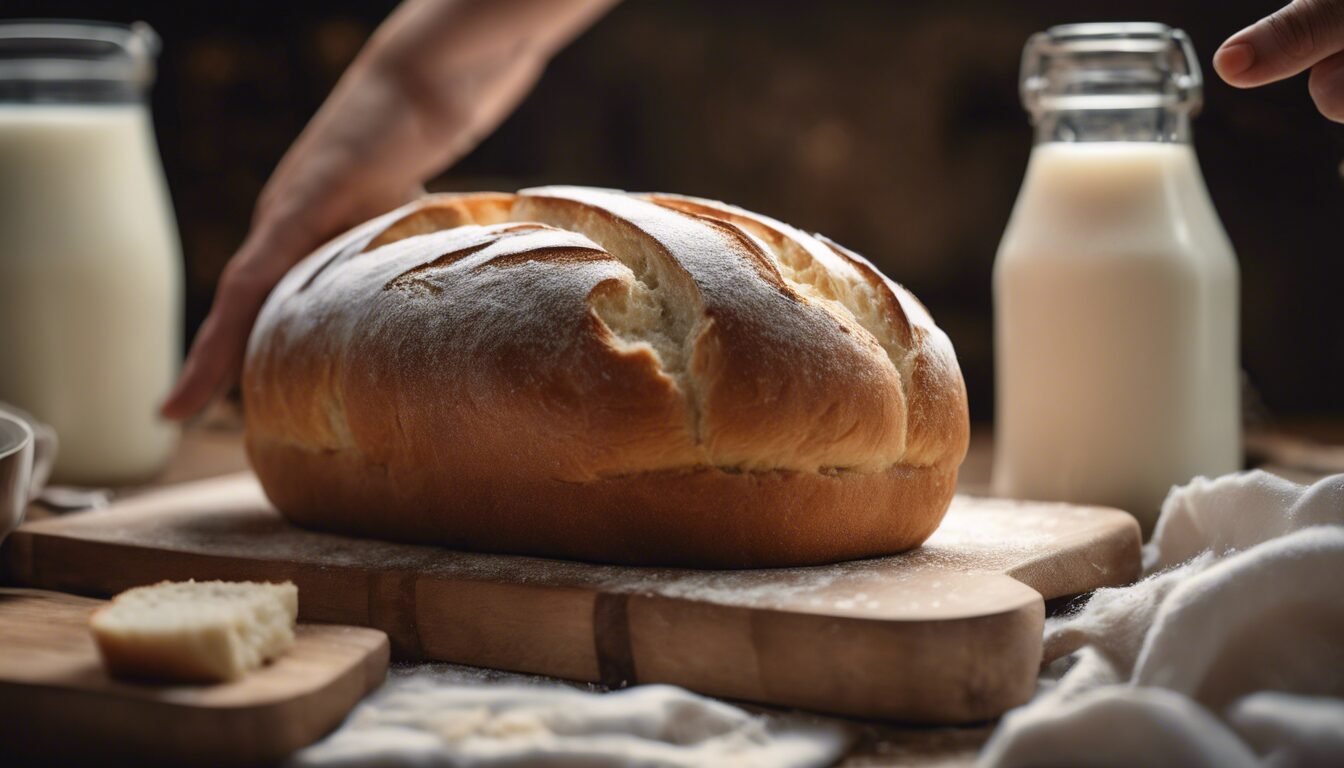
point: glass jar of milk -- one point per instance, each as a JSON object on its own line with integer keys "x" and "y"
{"x": 1115, "y": 286}
{"x": 90, "y": 265}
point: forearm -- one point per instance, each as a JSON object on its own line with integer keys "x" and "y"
{"x": 435, "y": 78}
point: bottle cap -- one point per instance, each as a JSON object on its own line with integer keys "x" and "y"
{"x": 1110, "y": 66}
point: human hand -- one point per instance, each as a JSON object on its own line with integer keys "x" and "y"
{"x": 1303, "y": 34}
{"x": 344, "y": 169}
{"x": 294, "y": 215}
{"x": 433, "y": 81}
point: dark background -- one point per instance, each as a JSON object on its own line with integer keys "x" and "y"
{"x": 893, "y": 127}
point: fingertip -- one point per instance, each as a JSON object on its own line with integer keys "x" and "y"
{"x": 178, "y": 405}
{"x": 1232, "y": 60}
{"x": 1281, "y": 45}
{"x": 1326, "y": 87}
{"x": 195, "y": 384}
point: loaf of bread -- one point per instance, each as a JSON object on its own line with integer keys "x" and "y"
{"x": 195, "y": 631}
{"x": 589, "y": 374}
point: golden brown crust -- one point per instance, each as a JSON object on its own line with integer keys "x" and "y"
{"x": 583, "y": 373}
{"x": 704, "y": 518}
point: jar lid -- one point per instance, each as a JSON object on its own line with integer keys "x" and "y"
{"x": 48, "y": 50}
{"x": 1120, "y": 65}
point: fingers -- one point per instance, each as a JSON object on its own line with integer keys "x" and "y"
{"x": 282, "y": 235}
{"x": 1282, "y": 44}
{"x": 216, "y": 355}
{"x": 207, "y": 368}
{"x": 1327, "y": 87}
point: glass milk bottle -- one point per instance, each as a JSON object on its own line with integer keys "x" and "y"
{"x": 90, "y": 265}
{"x": 1115, "y": 285}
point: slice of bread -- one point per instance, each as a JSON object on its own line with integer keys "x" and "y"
{"x": 195, "y": 631}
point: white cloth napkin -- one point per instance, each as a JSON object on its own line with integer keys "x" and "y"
{"x": 443, "y": 715}
{"x": 1229, "y": 653}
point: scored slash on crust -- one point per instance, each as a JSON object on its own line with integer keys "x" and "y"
{"x": 671, "y": 296}
{"x": 471, "y": 347}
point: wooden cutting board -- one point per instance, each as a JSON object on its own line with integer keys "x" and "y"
{"x": 58, "y": 705}
{"x": 948, "y": 633}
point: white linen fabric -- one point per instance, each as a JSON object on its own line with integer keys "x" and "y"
{"x": 442, "y": 715}
{"x": 1230, "y": 652}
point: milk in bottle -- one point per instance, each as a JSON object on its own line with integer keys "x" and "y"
{"x": 90, "y": 275}
{"x": 1115, "y": 285}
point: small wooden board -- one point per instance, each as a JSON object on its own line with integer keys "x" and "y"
{"x": 57, "y": 704}
{"x": 948, "y": 633}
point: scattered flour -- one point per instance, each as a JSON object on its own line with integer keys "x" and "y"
{"x": 445, "y": 715}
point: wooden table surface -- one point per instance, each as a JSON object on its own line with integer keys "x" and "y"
{"x": 1300, "y": 450}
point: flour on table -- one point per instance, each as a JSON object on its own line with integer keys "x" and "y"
{"x": 446, "y": 715}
